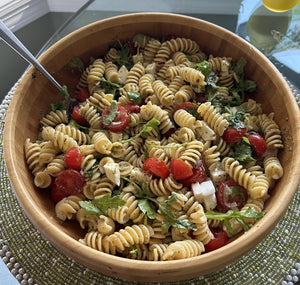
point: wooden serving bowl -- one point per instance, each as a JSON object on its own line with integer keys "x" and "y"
{"x": 34, "y": 95}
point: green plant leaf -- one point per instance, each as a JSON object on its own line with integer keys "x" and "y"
{"x": 147, "y": 208}
{"x": 134, "y": 97}
{"x": 233, "y": 214}
{"x": 76, "y": 63}
{"x": 107, "y": 202}
{"x": 90, "y": 208}
{"x": 101, "y": 205}
{"x": 243, "y": 153}
{"x": 109, "y": 118}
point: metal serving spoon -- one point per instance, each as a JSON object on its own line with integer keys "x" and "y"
{"x": 10, "y": 39}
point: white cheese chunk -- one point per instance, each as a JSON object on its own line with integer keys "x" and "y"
{"x": 112, "y": 172}
{"x": 123, "y": 72}
{"x": 217, "y": 174}
{"x": 204, "y": 193}
{"x": 206, "y": 132}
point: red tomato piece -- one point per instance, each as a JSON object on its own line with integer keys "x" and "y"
{"x": 121, "y": 120}
{"x": 188, "y": 106}
{"x": 200, "y": 98}
{"x": 220, "y": 239}
{"x": 170, "y": 37}
{"x": 231, "y": 196}
{"x": 132, "y": 108}
{"x": 246, "y": 98}
{"x": 232, "y": 135}
{"x": 258, "y": 143}
{"x": 73, "y": 158}
{"x": 180, "y": 170}
{"x": 198, "y": 176}
{"x": 78, "y": 118}
{"x": 83, "y": 94}
{"x": 132, "y": 48}
{"x": 156, "y": 167}
{"x": 68, "y": 182}
{"x": 169, "y": 133}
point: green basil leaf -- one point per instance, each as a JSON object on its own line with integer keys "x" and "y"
{"x": 134, "y": 97}
{"x": 184, "y": 224}
{"x": 60, "y": 105}
{"x": 238, "y": 216}
{"x": 107, "y": 202}
{"x": 243, "y": 153}
{"x": 90, "y": 208}
{"x": 204, "y": 67}
{"x": 147, "y": 208}
{"x": 109, "y": 118}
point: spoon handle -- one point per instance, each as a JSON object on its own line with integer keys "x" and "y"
{"x": 10, "y": 39}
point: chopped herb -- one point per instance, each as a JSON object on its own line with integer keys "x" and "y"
{"x": 125, "y": 58}
{"x": 193, "y": 111}
{"x": 60, "y": 105}
{"x": 135, "y": 251}
{"x": 243, "y": 152}
{"x": 233, "y": 214}
{"x": 152, "y": 124}
{"x": 236, "y": 119}
{"x": 141, "y": 39}
{"x": 101, "y": 205}
{"x": 147, "y": 208}
{"x": 90, "y": 208}
{"x": 205, "y": 68}
{"x": 238, "y": 67}
{"x": 110, "y": 87}
{"x": 170, "y": 218}
{"x": 109, "y": 118}
{"x": 76, "y": 63}
{"x": 164, "y": 207}
{"x": 64, "y": 92}
{"x": 250, "y": 86}
{"x": 134, "y": 97}
{"x": 237, "y": 191}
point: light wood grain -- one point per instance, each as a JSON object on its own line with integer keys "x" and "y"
{"x": 34, "y": 96}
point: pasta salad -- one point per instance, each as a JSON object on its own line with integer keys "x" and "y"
{"x": 166, "y": 155}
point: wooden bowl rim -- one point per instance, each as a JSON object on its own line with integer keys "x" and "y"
{"x": 211, "y": 261}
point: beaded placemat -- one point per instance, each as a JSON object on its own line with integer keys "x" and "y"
{"x": 33, "y": 260}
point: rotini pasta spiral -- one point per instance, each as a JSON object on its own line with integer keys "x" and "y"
{"x": 183, "y": 249}
{"x": 96, "y": 72}
{"x": 238, "y": 172}
{"x": 212, "y": 118}
{"x": 151, "y": 111}
{"x": 54, "y": 118}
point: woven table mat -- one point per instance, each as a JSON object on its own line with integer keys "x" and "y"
{"x": 33, "y": 260}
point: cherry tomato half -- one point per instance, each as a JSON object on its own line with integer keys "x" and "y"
{"x": 83, "y": 94}
{"x": 231, "y": 196}
{"x": 121, "y": 120}
{"x": 78, "y": 118}
{"x": 156, "y": 167}
{"x": 132, "y": 108}
{"x": 180, "y": 170}
{"x": 188, "y": 106}
{"x": 220, "y": 239}
{"x": 68, "y": 182}
{"x": 73, "y": 158}
{"x": 169, "y": 133}
{"x": 198, "y": 176}
{"x": 232, "y": 135}
{"x": 258, "y": 143}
